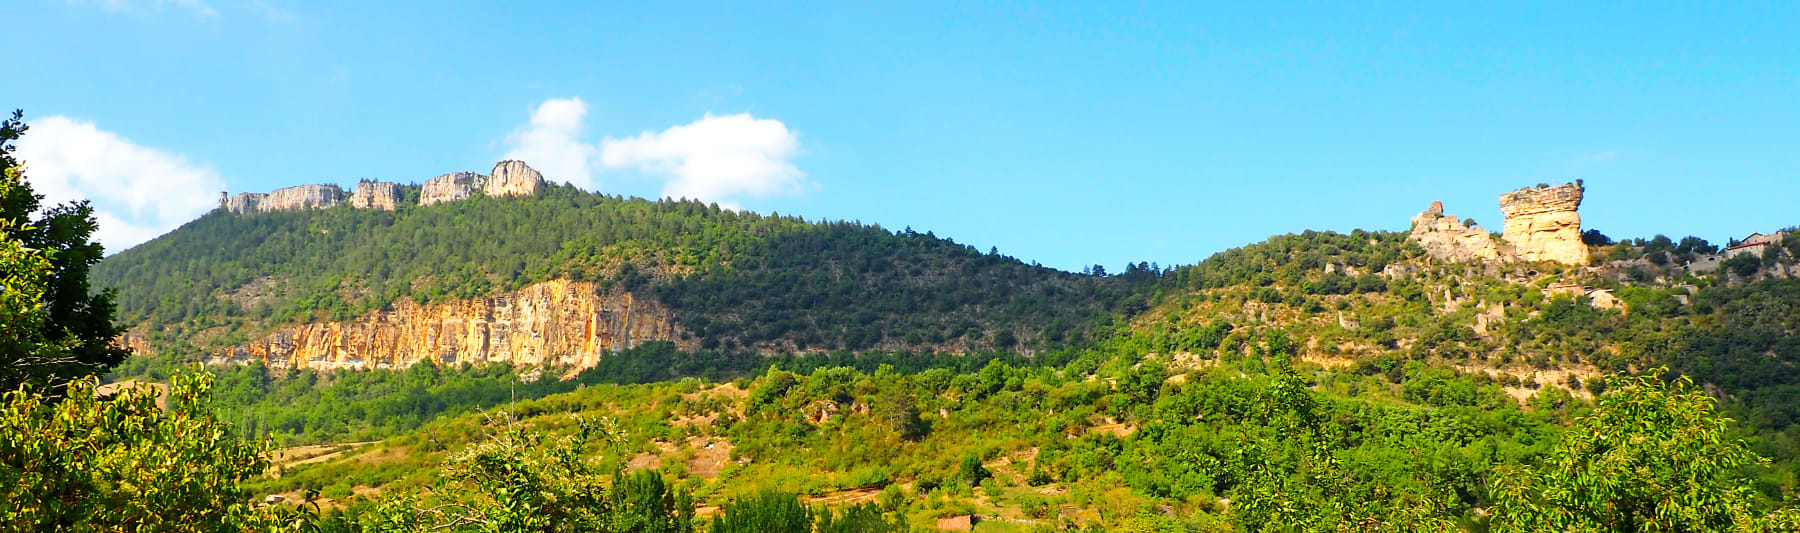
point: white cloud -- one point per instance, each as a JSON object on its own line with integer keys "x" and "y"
{"x": 716, "y": 158}
{"x": 552, "y": 142}
{"x": 137, "y": 192}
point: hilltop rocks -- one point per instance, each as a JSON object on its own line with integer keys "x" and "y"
{"x": 510, "y": 178}
{"x": 375, "y": 195}
{"x": 286, "y": 199}
{"x": 1542, "y": 223}
{"x": 247, "y": 202}
{"x": 450, "y": 187}
{"x": 1444, "y": 237}
{"x": 556, "y": 321}
{"x": 302, "y": 197}
{"x": 513, "y": 178}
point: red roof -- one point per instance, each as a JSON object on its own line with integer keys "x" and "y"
{"x": 1747, "y": 245}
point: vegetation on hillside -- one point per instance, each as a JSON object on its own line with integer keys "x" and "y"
{"x": 1316, "y": 382}
{"x": 739, "y": 281}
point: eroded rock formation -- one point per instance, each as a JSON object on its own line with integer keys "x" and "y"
{"x": 1445, "y": 237}
{"x": 513, "y": 178}
{"x": 1542, "y": 223}
{"x": 302, "y": 197}
{"x": 247, "y": 202}
{"x": 510, "y": 178}
{"x": 450, "y": 187}
{"x": 375, "y": 195}
{"x": 552, "y": 322}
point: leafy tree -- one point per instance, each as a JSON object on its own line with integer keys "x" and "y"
{"x": 899, "y": 411}
{"x": 642, "y": 503}
{"x": 865, "y": 518}
{"x": 765, "y": 512}
{"x": 80, "y": 462}
{"x": 519, "y": 480}
{"x": 1652, "y": 456}
{"x": 57, "y": 328}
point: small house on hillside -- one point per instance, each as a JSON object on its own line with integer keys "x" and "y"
{"x": 1757, "y": 243}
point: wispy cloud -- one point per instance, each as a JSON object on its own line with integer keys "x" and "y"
{"x": 137, "y": 192}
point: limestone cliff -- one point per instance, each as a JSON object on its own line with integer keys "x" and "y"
{"x": 375, "y": 195}
{"x": 1444, "y": 237}
{"x": 509, "y": 178}
{"x": 513, "y": 178}
{"x": 302, "y": 197}
{"x": 1542, "y": 223}
{"x": 450, "y": 187}
{"x": 552, "y": 322}
{"x": 245, "y": 202}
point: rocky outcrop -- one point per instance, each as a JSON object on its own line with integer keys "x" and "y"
{"x": 1542, "y": 223}
{"x": 556, "y": 321}
{"x": 376, "y": 195}
{"x": 513, "y": 178}
{"x": 286, "y": 199}
{"x": 302, "y": 197}
{"x": 1445, "y": 237}
{"x": 510, "y": 178}
{"x": 450, "y": 187}
{"x": 247, "y": 202}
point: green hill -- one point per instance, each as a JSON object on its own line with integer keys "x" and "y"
{"x": 741, "y": 282}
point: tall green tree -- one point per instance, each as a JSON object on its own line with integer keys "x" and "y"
{"x": 1653, "y": 456}
{"x": 766, "y": 512}
{"x": 70, "y": 329}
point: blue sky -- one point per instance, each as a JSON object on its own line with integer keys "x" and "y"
{"x": 1069, "y": 134}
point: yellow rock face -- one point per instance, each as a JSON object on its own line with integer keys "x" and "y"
{"x": 552, "y": 322}
{"x": 1542, "y": 223}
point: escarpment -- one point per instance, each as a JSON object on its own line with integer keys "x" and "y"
{"x": 1541, "y": 225}
{"x": 450, "y": 187}
{"x": 554, "y": 322}
{"x": 376, "y": 195}
{"x": 509, "y": 178}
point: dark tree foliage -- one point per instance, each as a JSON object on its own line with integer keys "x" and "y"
{"x": 79, "y": 322}
{"x": 1593, "y": 237}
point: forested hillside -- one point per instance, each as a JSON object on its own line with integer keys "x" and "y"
{"x": 737, "y": 281}
{"x": 1301, "y": 383}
